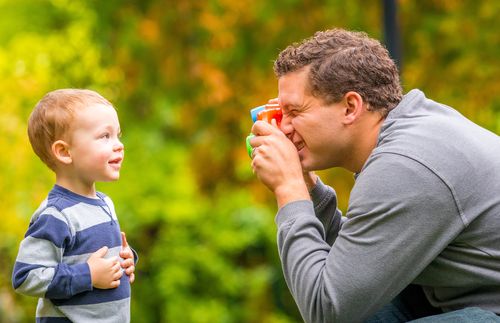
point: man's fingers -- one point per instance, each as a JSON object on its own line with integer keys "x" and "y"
{"x": 262, "y": 128}
{"x": 275, "y": 123}
{"x": 132, "y": 278}
{"x": 254, "y": 152}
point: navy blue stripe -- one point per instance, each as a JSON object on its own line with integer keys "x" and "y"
{"x": 52, "y": 320}
{"x": 69, "y": 280}
{"x": 63, "y": 198}
{"x": 97, "y": 295}
{"x": 50, "y": 228}
{"x": 91, "y": 239}
{"x": 21, "y": 272}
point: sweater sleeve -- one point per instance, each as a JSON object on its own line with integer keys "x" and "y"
{"x": 325, "y": 207}
{"x": 400, "y": 217}
{"x": 39, "y": 269}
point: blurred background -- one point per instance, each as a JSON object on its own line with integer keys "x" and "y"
{"x": 183, "y": 76}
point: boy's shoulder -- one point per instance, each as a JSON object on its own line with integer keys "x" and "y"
{"x": 61, "y": 201}
{"x": 54, "y": 204}
{"x": 62, "y": 198}
{"x": 76, "y": 211}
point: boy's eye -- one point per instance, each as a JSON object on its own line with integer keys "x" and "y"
{"x": 105, "y": 136}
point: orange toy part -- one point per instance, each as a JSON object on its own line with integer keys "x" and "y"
{"x": 272, "y": 111}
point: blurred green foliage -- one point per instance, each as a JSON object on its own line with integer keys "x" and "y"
{"x": 183, "y": 75}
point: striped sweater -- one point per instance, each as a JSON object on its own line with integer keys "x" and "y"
{"x": 52, "y": 260}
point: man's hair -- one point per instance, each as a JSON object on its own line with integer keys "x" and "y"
{"x": 52, "y": 118}
{"x": 341, "y": 61}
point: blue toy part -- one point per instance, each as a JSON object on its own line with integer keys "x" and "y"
{"x": 255, "y": 111}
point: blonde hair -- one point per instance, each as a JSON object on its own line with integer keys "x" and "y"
{"x": 52, "y": 117}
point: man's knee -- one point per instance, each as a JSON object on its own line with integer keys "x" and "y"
{"x": 466, "y": 315}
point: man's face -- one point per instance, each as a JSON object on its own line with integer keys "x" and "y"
{"x": 314, "y": 128}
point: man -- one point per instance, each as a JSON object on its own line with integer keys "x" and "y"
{"x": 424, "y": 211}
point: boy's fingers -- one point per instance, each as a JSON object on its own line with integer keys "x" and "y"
{"x": 131, "y": 277}
{"x": 126, "y": 253}
{"x": 118, "y": 275}
{"x": 115, "y": 269}
{"x": 115, "y": 283}
{"x": 124, "y": 240}
{"x": 127, "y": 263}
{"x": 130, "y": 270}
{"x": 101, "y": 252}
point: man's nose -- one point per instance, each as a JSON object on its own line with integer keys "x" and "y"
{"x": 286, "y": 126}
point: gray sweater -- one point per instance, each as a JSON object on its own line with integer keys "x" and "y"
{"x": 425, "y": 209}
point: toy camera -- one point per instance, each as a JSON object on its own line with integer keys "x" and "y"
{"x": 266, "y": 113}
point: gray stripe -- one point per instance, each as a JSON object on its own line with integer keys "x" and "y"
{"x": 83, "y": 216}
{"x": 110, "y": 312}
{"x": 45, "y": 308}
{"x": 39, "y": 252}
{"x": 111, "y": 205}
{"x": 78, "y": 259}
{"x": 37, "y": 282}
{"x": 55, "y": 213}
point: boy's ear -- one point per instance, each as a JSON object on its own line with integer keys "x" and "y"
{"x": 60, "y": 149}
{"x": 353, "y": 103}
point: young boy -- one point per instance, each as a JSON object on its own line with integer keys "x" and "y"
{"x": 70, "y": 255}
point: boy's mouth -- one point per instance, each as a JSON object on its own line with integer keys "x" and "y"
{"x": 116, "y": 161}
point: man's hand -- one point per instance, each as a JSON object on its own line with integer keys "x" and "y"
{"x": 128, "y": 256}
{"x": 105, "y": 273}
{"x": 311, "y": 179}
{"x": 276, "y": 163}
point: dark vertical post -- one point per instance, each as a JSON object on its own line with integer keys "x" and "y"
{"x": 391, "y": 31}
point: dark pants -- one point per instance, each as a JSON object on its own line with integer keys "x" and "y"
{"x": 412, "y": 305}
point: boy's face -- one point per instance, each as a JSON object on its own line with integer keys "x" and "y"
{"x": 95, "y": 147}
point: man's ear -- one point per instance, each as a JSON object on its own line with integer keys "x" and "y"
{"x": 60, "y": 149}
{"x": 353, "y": 103}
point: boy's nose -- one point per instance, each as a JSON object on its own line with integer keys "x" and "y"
{"x": 118, "y": 146}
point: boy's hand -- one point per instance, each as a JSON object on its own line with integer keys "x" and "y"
{"x": 128, "y": 256}
{"x": 105, "y": 273}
